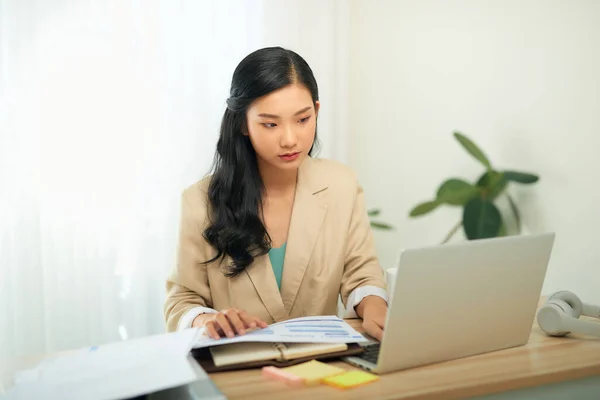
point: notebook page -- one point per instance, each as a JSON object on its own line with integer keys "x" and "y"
{"x": 237, "y": 353}
{"x": 291, "y": 351}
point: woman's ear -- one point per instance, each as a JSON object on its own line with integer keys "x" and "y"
{"x": 317, "y": 107}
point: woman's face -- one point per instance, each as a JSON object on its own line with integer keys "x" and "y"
{"x": 282, "y": 126}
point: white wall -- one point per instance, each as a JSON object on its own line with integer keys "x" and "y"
{"x": 325, "y": 48}
{"x": 521, "y": 78}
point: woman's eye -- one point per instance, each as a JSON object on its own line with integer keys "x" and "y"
{"x": 269, "y": 125}
{"x": 304, "y": 120}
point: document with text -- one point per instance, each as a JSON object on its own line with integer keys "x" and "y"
{"x": 321, "y": 329}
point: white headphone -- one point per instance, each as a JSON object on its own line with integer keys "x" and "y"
{"x": 559, "y": 316}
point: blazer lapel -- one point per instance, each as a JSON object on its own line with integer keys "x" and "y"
{"x": 308, "y": 213}
{"x": 262, "y": 277}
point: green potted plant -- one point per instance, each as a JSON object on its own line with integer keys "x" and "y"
{"x": 481, "y": 217}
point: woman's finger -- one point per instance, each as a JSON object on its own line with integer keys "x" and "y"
{"x": 223, "y": 323}
{"x": 248, "y": 321}
{"x": 235, "y": 321}
{"x": 373, "y": 329}
{"x": 212, "y": 331}
{"x": 251, "y": 321}
{"x": 260, "y": 323}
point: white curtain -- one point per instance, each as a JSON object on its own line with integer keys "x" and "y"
{"x": 108, "y": 109}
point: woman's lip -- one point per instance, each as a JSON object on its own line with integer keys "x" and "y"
{"x": 289, "y": 156}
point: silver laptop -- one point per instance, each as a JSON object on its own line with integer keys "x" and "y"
{"x": 457, "y": 300}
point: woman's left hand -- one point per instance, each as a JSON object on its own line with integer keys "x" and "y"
{"x": 373, "y": 309}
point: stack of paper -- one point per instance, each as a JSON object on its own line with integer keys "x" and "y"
{"x": 117, "y": 370}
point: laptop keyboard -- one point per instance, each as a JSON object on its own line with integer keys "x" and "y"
{"x": 371, "y": 353}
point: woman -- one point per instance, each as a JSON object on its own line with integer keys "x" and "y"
{"x": 273, "y": 233}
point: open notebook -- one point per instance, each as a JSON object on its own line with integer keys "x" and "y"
{"x": 281, "y": 344}
{"x": 245, "y": 355}
{"x": 239, "y": 353}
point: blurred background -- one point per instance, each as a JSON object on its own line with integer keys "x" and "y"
{"x": 108, "y": 109}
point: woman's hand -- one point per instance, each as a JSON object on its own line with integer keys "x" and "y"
{"x": 373, "y": 309}
{"x": 227, "y": 323}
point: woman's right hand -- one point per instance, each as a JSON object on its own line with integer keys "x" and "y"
{"x": 228, "y": 323}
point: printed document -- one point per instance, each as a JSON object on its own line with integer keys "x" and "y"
{"x": 113, "y": 371}
{"x": 321, "y": 329}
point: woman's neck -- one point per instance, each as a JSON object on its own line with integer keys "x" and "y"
{"x": 277, "y": 182}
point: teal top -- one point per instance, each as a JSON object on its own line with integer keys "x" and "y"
{"x": 276, "y": 256}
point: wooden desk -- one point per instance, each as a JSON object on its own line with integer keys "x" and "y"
{"x": 542, "y": 361}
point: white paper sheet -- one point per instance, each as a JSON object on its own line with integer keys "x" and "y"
{"x": 116, "y": 370}
{"x": 321, "y": 329}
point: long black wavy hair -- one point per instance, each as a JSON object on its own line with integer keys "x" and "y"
{"x": 236, "y": 188}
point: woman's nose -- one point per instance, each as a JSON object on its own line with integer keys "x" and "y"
{"x": 289, "y": 137}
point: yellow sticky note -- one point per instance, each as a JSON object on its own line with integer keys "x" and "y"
{"x": 313, "y": 372}
{"x": 350, "y": 379}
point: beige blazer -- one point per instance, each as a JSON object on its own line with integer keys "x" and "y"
{"x": 330, "y": 251}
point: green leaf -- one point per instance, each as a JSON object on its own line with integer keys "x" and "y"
{"x": 424, "y": 208}
{"x": 456, "y": 192}
{"x": 493, "y": 182}
{"x": 374, "y": 212}
{"x": 521, "y": 177}
{"x": 381, "y": 225}
{"x": 515, "y": 211}
{"x": 481, "y": 219}
{"x": 472, "y": 149}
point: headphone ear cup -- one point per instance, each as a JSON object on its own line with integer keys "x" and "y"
{"x": 552, "y": 315}
{"x": 571, "y": 299}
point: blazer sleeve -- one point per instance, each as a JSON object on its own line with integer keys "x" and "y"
{"x": 188, "y": 286}
{"x": 361, "y": 266}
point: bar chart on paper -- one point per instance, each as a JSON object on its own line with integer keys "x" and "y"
{"x": 320, "y": 329}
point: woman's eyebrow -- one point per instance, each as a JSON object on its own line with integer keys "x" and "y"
{"x": 265, "y": 115}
